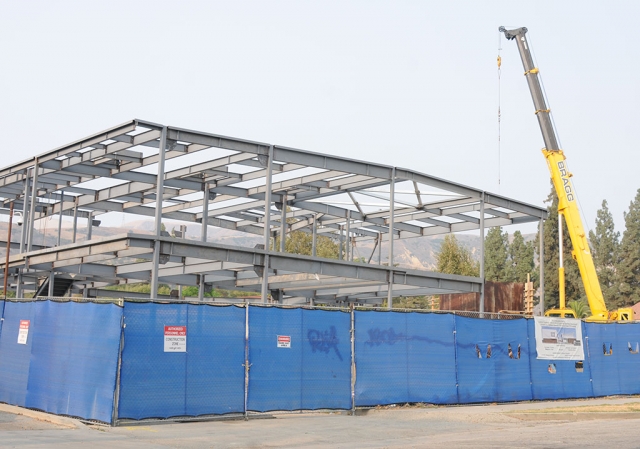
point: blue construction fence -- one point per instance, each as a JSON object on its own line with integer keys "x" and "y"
{"x": 141, "y": 360}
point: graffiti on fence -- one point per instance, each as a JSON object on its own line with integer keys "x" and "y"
{"x": 379, "y": 336}
{"x": 324, "y": 341}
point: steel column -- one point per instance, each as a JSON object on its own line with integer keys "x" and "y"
{"x": 60, "y": 217}
{"x": 25, "y": 206}
{"x": 34, "y": 198}
{"x": 205, "y": 212}
{"x": 158, "y": 217}
{"x": 89, "y": 225}
{"x": 482, "y": 253}
{"x": 203, "y": 234}
{"x": 6, "y": 259}
{"x": 75, "y": 222}
{"x": 341, "y": 247}
{"x": 392, "y": 194}
{"x": 314, "y": 233}
{"x": 283, "y": 222}
{"x": 52, "y": 281}
{"x": 19, "y": 288}
{"x": 347, "y": 248}
{"x": 160, "y": 181}
{"x": 267, "y": 226}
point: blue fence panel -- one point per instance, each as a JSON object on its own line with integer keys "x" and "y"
{"x": 308, "y": 368}
{"x": 614, "y": 350}
{"x": 628, "y": 350}
{"x": 604, "y": 364}
{"x": 558, "y": 379}
{"x": 513, "y": 373}
{"x": 488, "y": 365}
{"x": 15, "y": 358}
{"x": 404, "y": 357}
{"x": 381, "y": 358}
{"x": 215, "y": 358}
{"x": 74, "y": 359}
{"x": 206, "y": 379}
{"x": 152, "y": 382}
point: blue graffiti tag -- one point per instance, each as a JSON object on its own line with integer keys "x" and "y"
{"x": 324, "y": 341}
{"x": 379, "y": 336}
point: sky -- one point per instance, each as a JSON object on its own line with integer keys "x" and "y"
{"x": 407, "y": 83}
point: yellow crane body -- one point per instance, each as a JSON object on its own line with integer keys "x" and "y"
{"x": 567, "y": 200}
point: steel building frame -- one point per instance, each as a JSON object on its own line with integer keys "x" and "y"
{"x": 257, "y": 188}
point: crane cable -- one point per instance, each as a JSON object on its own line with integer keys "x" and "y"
{"x": 499, "y": 61}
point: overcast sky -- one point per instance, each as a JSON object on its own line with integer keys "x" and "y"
{"x": 407, "y": 83}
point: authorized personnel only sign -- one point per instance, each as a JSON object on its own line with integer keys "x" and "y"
{"x": 23, "y": 332}
{"x": 175, "y": 339}
{"x": 284, "y": 341}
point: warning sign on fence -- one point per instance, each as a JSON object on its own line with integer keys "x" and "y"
{"x": 23, "y": 332}
{"x": 284, "y": 341}
{"x": 175, "y": 339}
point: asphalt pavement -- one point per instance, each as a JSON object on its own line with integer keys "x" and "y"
{"x": 532, "y": 424}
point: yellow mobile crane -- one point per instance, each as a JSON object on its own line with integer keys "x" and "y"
{"x": 567, "y": 202}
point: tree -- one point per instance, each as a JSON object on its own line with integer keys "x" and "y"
{"x": 411, "y": 302}
{"x": 495, "y": 255}
{"x": 581, "y": 308}
{"x": 300, "y": 242}
{"x": 521, "y": 260}
{"x": 455, "y": 259}
{"x": 605, "y": 246}
{"x": 628, "y": 269}
{"x": 573, "y": 283}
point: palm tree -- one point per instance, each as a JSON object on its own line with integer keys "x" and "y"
{"x": 581, "y": 308}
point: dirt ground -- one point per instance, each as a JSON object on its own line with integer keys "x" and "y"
{"x": 592, "y": 423}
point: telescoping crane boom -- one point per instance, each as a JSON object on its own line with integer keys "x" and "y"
{"x": 567, "y": 201}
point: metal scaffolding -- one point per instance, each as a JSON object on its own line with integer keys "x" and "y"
{"x": 149, "y": 170}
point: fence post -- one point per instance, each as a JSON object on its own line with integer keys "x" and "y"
{"x": 246, "y": 360}
{"x": 455, "y": 348}
{"x": 353, "y": 361}
{"x": 116, "y": 392}
{"x": 588, "y": 357}
{"x": 529, "y": 356}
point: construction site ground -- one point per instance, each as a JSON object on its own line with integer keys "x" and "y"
{"x": 590, "y": 423}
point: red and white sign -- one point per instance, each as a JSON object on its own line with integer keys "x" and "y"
{"x": 175, "y": 339}
{"x": 23, "y": 332}
{"x": 284, "y": 341}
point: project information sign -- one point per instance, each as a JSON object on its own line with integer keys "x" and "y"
{"x": 175, "y": 339}
{"x": 23, "y": 332}
{"x": 559, "y": 338}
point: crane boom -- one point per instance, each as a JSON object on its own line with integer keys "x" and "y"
{"x": 561, "y": 178}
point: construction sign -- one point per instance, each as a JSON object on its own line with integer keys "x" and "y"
{"x": 23, "y": 332}
{"x": 559, "y": 338}
{"x": 175, "y": 339}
